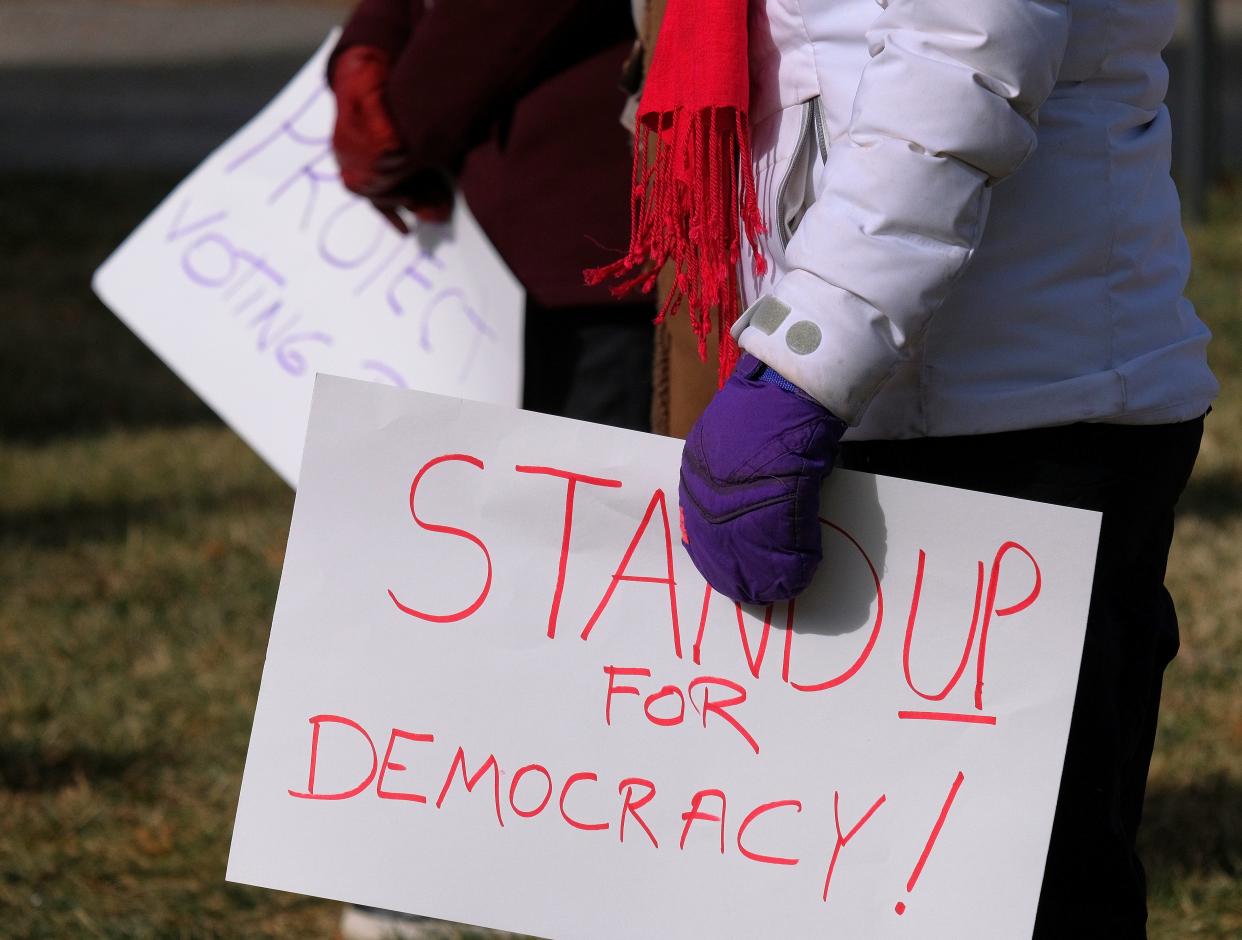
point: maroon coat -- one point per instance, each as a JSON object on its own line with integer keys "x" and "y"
{"x": 520, "y": 101}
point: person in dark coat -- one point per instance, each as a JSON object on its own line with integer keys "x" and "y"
{"x": 516, "y": 105}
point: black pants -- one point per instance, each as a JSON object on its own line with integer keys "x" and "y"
{"x": 592, "y": 363}
{"x": 1094, "y": 885}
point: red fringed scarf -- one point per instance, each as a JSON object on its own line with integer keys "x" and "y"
{"x": 693, "y": 193}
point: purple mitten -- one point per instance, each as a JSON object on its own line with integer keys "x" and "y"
{"x": 750, "y": 478}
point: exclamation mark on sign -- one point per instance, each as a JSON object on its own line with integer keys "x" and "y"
{"x": 931, "y": 840}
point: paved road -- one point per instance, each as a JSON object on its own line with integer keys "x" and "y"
{"x": 149, "y": 32}
{"x": 89, "y": 85}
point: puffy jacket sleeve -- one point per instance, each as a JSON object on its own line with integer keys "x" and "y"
{"x": 946, "y": 106}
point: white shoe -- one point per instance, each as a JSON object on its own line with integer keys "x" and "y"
{"x": 372, "y": 923}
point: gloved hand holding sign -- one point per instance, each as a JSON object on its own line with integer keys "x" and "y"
{"x": 751, "y": 473}
{"x": 368, "y": 149}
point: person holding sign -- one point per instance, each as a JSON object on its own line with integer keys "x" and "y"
{"x": 516, "y": 105}
{"x": 960, "y": 249}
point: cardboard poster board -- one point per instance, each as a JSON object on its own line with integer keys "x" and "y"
{"x": 498, "y": 692}
{"x": 260, "y": 270}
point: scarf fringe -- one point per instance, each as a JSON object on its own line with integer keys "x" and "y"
{"x": 692, "y": 201}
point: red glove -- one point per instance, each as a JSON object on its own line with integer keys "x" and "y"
{"x": 372, "y": 160}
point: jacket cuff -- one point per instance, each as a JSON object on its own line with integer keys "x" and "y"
{"x": 829, "y": 342}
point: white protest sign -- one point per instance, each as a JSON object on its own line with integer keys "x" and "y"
{"x": 498, "y": 692}
{"x": 260, "y": 270}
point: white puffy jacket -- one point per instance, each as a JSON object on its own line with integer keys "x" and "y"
{"x": 971, "y": 222}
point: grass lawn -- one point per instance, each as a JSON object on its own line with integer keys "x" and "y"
{"x": 140, "y": 548}
{"x": 1192, "y": 840}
